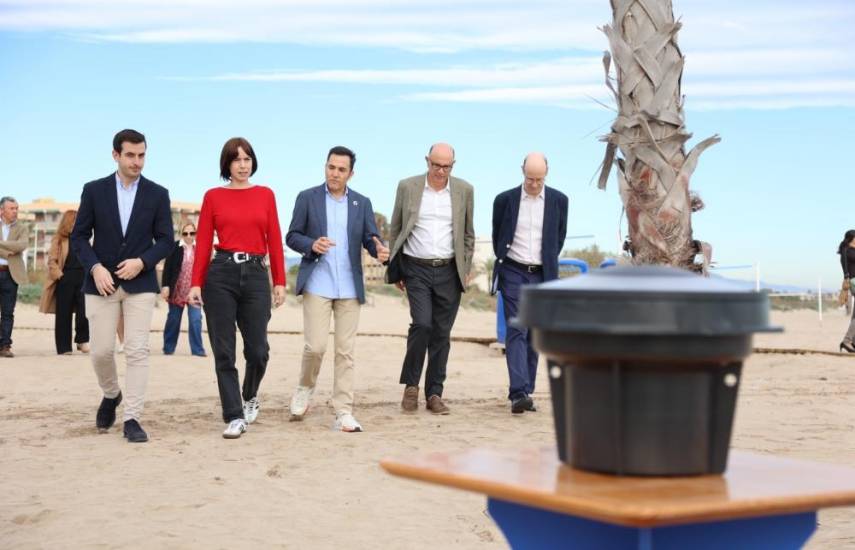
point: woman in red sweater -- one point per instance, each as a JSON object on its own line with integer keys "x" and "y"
{"x": 234, "y": 286}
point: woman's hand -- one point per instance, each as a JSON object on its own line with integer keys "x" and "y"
{"x": 194, "y": 297}
{"x": 278, "y": 295}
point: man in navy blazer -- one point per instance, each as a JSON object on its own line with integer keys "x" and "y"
{"x": 529, "y": 227}
{"x": 330, "y": 226}
{"x": 128, "y": 219}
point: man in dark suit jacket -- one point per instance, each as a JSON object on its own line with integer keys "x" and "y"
{"x": 128, "y": 219}
{"x": 529, "y": 227}
{"x": 330, "y": 226}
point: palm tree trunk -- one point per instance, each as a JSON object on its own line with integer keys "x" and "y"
{"x": 653, "y": 168}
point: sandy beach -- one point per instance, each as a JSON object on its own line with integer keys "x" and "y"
{"x": 302, "y": 485}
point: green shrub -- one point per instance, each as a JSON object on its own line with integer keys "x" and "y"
{"x": 30, "y": 293}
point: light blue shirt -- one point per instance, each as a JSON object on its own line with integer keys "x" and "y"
{"x": 333, "y": 276}
{"x": 126, "y": 200}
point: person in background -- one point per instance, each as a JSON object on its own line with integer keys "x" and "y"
{"x": 234, "y": 287}
{"x": 529, "y": 227}
{"x": 846, "y": 249}
{"x": 175, "y": 285}
{"x": 63, "y": 291}
{"x": 14, "y": 239}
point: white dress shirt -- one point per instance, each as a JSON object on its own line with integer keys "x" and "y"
{"x": 6, "y": 228}
{"x": 431, "y": 237}
{"x": 528, "y": 236}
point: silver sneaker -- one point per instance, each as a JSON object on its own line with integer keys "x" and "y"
{"x": 250, "y": 410}
{"x": 235, "y": 429}
{"x": 346, "y": 423}
{"x": 300, "y": 402}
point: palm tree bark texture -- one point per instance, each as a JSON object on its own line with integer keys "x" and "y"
{"x": 653, "y": 169}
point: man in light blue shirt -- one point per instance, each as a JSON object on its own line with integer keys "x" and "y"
{"x": 330, "y": 226}
{"x": 125, "y": 195}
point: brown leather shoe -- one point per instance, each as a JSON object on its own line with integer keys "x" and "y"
{"x": 6, "y": 351}
{"x": 436, "y": 406}
{"x": 410, "y": 402}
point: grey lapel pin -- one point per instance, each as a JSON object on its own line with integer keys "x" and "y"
{"x": 355, "y": 203}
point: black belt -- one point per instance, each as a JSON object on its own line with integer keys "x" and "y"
{"x": 433, "y": 262}
{"x": 240, "y": 257}
{"x": 525, "y": 267}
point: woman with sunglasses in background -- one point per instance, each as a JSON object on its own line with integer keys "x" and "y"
{"x": 177, "y": 272}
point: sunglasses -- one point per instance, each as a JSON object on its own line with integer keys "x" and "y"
{"x": 189, "y": 233}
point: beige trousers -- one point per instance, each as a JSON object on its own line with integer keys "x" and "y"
{"x": 316, "y": 331}
{"x": 103, "y": 314}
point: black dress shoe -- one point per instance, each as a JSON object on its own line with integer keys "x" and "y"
{"x": 521, "y": 404}
{"x": 531, "y": 407}
{"x": 106, "y": 416}
{"x": 846, "y": 347}
{"x": 134, "y": 432}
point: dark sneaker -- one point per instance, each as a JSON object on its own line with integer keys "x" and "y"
{"x": 106, "y": 416}
{"x": 134, "y": 432}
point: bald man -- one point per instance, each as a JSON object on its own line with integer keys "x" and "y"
{"x": 433, "y": 240}
{"x": 529, "y": 227}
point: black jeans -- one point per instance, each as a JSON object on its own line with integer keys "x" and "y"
{"x": 237, "y": 293}
{"x": 8, "y": 299}
{"x": 69, "y": 301}
{"x": 434, "y": 296}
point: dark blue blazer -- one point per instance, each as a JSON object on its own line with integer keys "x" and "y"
{"x": 309, "y": 222}
{"x": 149, "y": 236}
{"x": 506, "y": 209}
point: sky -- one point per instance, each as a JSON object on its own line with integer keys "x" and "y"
{"x": 496, "y": 79}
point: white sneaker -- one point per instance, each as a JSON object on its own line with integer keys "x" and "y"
{"x": 300, "y": 402}
{"x": 346, "y": 423}
{"x": 250, "y": 410}
{"x": 235, "y": 428}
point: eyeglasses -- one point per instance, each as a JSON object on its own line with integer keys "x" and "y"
{"x": 444, "y": 167}
{"x": 189, "y": 233}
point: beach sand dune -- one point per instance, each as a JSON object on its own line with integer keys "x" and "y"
{"x": 300, "y": 484}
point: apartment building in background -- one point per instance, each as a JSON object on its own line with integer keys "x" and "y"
{"x": 43, "y": 215}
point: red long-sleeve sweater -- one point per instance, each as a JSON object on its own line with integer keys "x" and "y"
{"x": 245, "y": 220}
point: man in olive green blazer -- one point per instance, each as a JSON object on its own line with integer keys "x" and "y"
{"x": 432, "y": 240}
{"x": 14, "y": 239}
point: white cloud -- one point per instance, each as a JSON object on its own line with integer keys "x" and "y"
{"x": 761, "y": 54}
{"x": 436, "y": 25}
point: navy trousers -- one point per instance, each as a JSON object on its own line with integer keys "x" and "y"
{"x": 519, "y": 353}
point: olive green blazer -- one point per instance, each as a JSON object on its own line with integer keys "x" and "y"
{"x": 12, "y": 250}
{"x": 405, "y": 213}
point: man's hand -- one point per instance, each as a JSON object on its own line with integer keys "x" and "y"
{"x": 401, "y": 286}
{"x": 469, "y": 277}
{"x": 164, "y": 293}
{"x": 322, "y": 245}
{"x": 103, "y": 280}
{"x": 194, "y": 297}
{"x": 382, "y": 250}
{"x": 130, "y": 268}
{"x": 278, "y": 295}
